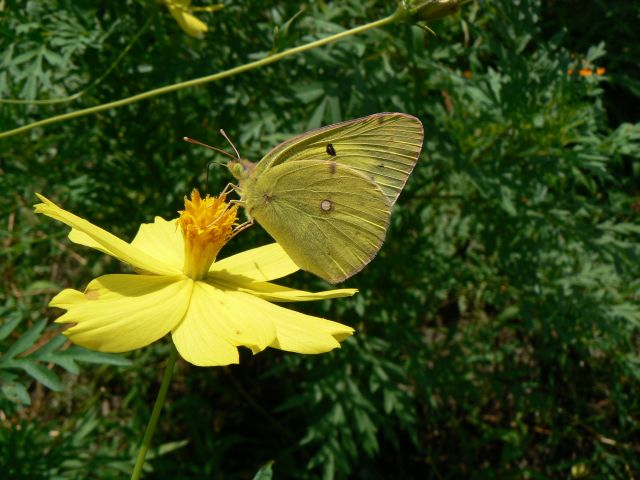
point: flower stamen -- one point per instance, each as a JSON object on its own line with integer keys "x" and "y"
{"x": 207, "y": 225}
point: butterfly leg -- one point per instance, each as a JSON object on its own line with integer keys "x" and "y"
{"x": 227, "y": 190}
{"x": 243, "y": 205}
{"x": 231, "y": 187}
{"x": 242, "y": 227}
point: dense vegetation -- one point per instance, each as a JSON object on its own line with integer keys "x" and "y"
{"x": 497, "y": 330}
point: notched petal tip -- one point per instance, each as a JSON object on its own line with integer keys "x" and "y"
{"x": 45, "y": 202}
{"x": 65, "y": 298}
{"x": 300, "y": 333}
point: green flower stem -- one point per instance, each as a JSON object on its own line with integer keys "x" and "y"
{"x": 155, "y": 414}
{"x": 399, "y": 14}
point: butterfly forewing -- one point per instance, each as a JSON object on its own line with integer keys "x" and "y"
{"x": 329, "y": 218}
{"x": 383, "y": 147}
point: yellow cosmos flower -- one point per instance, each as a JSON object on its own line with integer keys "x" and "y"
{"x": 210, "y": 307}
{"x": 181, "y": 11}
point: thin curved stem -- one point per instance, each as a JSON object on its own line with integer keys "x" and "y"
{"x": 155, "y": 413}
{"x": 399, "y": 14}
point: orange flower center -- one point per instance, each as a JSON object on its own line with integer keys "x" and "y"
{"x": 206, "y": 224}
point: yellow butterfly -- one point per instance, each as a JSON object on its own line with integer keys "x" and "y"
{"x": 325, "y": 196}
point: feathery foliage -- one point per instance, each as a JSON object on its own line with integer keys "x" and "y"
{"x": 497, "y": 330}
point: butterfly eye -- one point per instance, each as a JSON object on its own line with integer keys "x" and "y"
{"x": 330, "y": 150}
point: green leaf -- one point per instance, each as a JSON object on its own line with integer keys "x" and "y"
{"x": 24, "y": 57}
{"x": 265, "y": 472}
{"x": 171, "y": 446}
{"x": 80, "y": 354}
{"x": 68, "y": 363}
{"x": 26, "y": 340}
{"x": 51, "y": 346}
{"x": 8, "y": 327}
{"x": 41, "y": 374}
{"x": 166, "y": 448}
{"x": 40, "y": 285}
{"x": 16, "y": 392}
{"x": 53, "y": 58}
{"x": 318, "y": 114}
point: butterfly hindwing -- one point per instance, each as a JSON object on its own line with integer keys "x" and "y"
{"x": 329, "y": 218}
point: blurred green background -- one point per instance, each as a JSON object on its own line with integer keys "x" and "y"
{"x": 497, "y": 330}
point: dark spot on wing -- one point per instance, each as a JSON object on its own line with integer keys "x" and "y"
{"x": 330, "y": 150}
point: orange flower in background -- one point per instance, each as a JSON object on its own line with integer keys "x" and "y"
{"x": 587, "y": 72}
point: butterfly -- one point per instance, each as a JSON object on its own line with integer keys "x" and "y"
{"x": 326, "y": 195}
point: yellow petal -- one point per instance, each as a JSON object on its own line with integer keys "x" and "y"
{"x": 81, "y": 238}
{"x": 118, "y": 313}
{"x": 209, "y": 332}
{"x": 262, "y": 264}
{"x": 277, "y": 293}
{"x": 163, "y": 240}
{"x": 297, "y": 332}
{"x": 190, "y": 24}
{"x": 219, "y": 321}
{"x": 306, "y": 334}
{"x": 109, "y": 243}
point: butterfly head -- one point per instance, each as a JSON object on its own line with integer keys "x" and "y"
{"x": 241, "y": 169}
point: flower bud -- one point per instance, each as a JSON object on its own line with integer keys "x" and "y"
{"x": 432, "y": 9}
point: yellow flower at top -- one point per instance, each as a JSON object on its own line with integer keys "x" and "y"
{"x": 210, "y": 307}
{"x": 181, "y": 11}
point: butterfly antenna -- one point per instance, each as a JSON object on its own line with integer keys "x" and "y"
{"x": 209, "y": 163}
{"x": 230, "y": 143}
{"x": 208, "y": 167}
{"x": 215, "y": 149}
